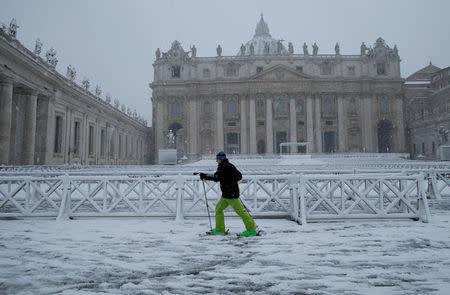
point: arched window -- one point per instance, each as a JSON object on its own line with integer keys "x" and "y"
{"x": 299, "y": 107}
{"x": 175, "y": 108}
{"x": 260, "y": 108}
{"x": 383, "y": 106}
{"x": 327, "y": 106}
{"x": 280, "y": 106}
{"x": 207, "y": 107}
{"x": 232, "y": 108}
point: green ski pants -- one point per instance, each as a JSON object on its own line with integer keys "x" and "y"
{"x": 238, "y": 208}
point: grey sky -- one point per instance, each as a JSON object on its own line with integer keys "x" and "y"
{"x": 112, "y": 42}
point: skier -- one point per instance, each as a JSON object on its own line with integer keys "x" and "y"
{"x": 229, "y": 176}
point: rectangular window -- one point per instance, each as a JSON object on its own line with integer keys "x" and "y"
{"x": 58, "y": 134}
{"x": 76, "y": 137}
{"x": 206, "y": 73}
{"x": 259, "y": 69}
{"x": 423, "y": 148}
{"x": 351, "y": 70}
{"x": 299, "y": 69}
{"x": 111, "y": 143}
{"x": 329, "y": 123}
{"x": 381, "y": 68}
{"x": 120, "y": 146}
{"x": 433, "y": 147}
{"x": 102, "y": 142}
{"x": 301, "y": 123}
{"x": 91, "y": 140}
{"x": 231, "y": 124}
{"x": 176, "y": 71}
{"x": 414, "y": 148}
{"x": 260, "y": 123}
{"x": 325, "y": 69}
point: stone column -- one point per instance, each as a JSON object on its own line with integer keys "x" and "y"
{"x": 292, "y": 124}
{"x": 6, "y": 94}
{"x": 310, "y": 125}
{"x": 29, "y": 128}
{"x": 318, "y": 124}
{"x": 341, "y": 124}
{"x": 252, "y": 115}
{"x": 50, "y": 130}
{"x": 219, "y": 126}
{"x": 400, "y": 146}
{"x": 159, "y": 129}
{"x": 193, "y": 130}
{"x": 367, "y": 124}
{"x": 269, "y": 128}
{"x": 244, "y": 135}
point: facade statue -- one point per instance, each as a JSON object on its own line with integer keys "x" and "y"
{"x": 252, "y": 49}
{"x": 363, "y": 49}
{"x": 219, "y": 50}
{"x": 158, "y": 54}
{"x": 266, "y": 48}
{"x": 242, "y": 50}
{"x": 98, "y": 91}
{"x": 290, "y": 48}
{"x": 193, "y": 51}
{"x": 315, "y": 49}
{"x": 12, "y": 30}
{"x": 38, "y": 47}
{"x": 116, "y": 103}
{"x": 71, "y": 73}
{"x": 395, "y": 50}
{"x": 108, "y": 98}
{"x": 86, "y": 84}
{"x": 305, "y": 49}
{"x": 51, "y": 57}
{"x": 337, "y": 49}
{"x": 443, "y": 135}
{"x": 279, "y": 47}
{"x": 171, "y": 139}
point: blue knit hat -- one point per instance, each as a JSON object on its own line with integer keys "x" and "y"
{"x": 221, "y": 156}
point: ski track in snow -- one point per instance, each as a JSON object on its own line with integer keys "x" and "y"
{"x": 161, "y": 256}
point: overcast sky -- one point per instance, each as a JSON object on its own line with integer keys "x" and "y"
{"x": 112, "y": 42}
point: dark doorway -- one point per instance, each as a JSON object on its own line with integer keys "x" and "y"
{"x": 385, "y": 129}
{"x": 232, "y": 143}
{"x": 261, "y": 147}
{"x": 280, "y": 137}
{"x": 177, "y": 129}
{"x": 329, "y": 142}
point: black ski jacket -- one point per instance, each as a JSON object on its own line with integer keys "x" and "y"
{"x": 228, "y": 175}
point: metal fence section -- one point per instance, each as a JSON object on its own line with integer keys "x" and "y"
{"x": 300, "y": 197}
{"x": 362, "y": 197}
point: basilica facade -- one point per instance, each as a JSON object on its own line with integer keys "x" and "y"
{"x": 268, "y": 94}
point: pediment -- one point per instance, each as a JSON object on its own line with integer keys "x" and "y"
{"x": 280, "y": 73}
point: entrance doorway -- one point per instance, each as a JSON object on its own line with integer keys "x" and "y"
{"x": 385, "y": 129}
{"x": 329, "y": 142}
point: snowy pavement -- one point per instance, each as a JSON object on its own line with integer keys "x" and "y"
{"x": 160, "y": 256}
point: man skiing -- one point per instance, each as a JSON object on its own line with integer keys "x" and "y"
{"x": 229, "y": 176}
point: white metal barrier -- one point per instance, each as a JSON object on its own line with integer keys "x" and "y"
{"x": 362, "y": 197}
{"x": 300, "y": 197}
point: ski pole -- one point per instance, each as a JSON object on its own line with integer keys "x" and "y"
{"x": 206, "y": 201}
{"x": 207, "y": 206}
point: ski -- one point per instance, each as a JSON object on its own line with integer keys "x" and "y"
{"x": 208, "y": 233}
{"x": 258, "y": 234}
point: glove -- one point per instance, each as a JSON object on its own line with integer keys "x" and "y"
{"x": 202, "y": 176}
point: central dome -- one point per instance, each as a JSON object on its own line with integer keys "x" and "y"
{"x": 261, "y": 38}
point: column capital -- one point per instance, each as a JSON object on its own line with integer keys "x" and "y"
{"x": 6, "y": 80}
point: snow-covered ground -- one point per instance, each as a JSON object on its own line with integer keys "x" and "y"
{"x": 160, "y": 256}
